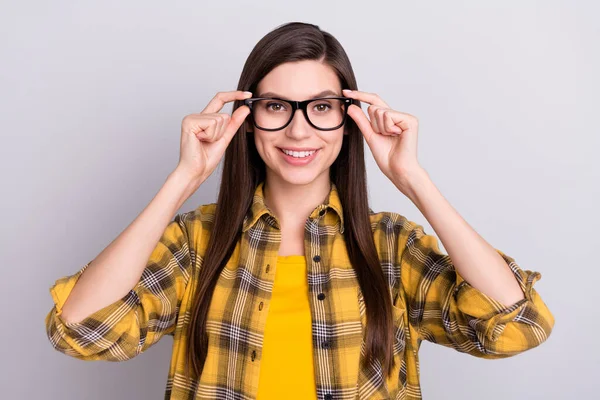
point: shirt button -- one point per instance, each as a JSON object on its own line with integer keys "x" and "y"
{"x": 328, "y": 396}
{"x": 260, "y": 306}
{"x": 253, "y": 354}
{"x": 317, "y": 258}
{"x": 325, "y": 344}
{"x": 321, "y": 296}
{"x": 268, "y": 268}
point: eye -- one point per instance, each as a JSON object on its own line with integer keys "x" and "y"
{"x": 275, "y": 106}
{"x": 322, "y": 107}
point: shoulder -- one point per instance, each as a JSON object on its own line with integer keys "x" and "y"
{"x": 198, "y": 215}
{"x": 205, "y": 209}
{"x": 393, "y": 229}
{"x": 390, "y": 222}
{"x": 198, "y": 221}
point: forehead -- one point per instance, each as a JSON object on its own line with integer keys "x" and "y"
{"x": 300, "y": 80}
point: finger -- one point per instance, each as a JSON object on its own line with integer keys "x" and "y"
{"x": 370, "y": 98}
{"x": 403, "y": 120}
{"x": 218, "y": 123}
{"x": 221, "y": 98}
{"x": 237, "y": 119}
{"x": 357, "y": 114}
{"x": 373, "y": 117}
{"x": 223, "y": 122}
{"x": 380, "y": 122}
{"x": 385, "y": 128}
{"x": 389, "y": 124}
{"x": 207, "y": 130}
{"x": 215, "y": 130}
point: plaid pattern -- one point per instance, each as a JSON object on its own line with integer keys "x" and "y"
{"x": 431, "y": 302}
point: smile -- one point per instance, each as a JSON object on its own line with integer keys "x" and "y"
{"x": 298, "y": 154}
{"x": 299, "y": 157}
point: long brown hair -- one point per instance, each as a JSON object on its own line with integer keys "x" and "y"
{"x": 243, "y": 169}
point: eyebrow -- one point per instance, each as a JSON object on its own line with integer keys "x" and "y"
{"x": 321, "y": 94}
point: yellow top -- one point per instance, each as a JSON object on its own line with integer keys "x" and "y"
{"x": 286, "y": 367}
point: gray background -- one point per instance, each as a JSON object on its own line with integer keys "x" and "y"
{"x": 93, "y": 94}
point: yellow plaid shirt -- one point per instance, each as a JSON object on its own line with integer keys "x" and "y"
{"x": 431, "y": 302}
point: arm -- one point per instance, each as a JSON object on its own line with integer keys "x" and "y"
{"x": 474, "y": 258}
{"x": 124, "y": 300}
{"x": 475, "y": 299}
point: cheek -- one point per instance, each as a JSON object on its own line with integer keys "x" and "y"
{"x": 261, "y": 144}
{"x": 334, "y": 142}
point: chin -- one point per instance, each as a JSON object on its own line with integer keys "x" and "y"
{"x": 301, "y": 178}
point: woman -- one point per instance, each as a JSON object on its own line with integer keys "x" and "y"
{"x": 290, "y": 286}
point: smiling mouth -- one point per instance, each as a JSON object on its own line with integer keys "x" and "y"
{"x": 301, "y": 154}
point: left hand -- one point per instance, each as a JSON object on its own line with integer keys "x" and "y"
{"x": 391, "y": 136}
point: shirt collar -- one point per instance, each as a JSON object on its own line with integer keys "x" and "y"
{"x": 258, "y": 207}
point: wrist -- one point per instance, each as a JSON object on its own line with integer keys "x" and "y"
{"x": 186, "y": 183}
{"x": 185, "y": 176}
{"x": 411, "y": 183}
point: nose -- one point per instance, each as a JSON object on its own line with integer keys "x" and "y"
{"x": 299, "y": 126}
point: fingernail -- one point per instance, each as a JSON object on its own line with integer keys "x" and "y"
{"x": 347, "y": 90}
{"x": 248, "y": 93}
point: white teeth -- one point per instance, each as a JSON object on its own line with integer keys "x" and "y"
{"x": 298, "y": 154}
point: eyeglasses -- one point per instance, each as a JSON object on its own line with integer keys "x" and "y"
{"x": 323, "y": 113}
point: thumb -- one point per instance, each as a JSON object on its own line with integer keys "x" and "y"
{"x": 357, "y": 114}
{"x": 237, "y": 119}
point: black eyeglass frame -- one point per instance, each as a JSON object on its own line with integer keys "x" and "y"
{"x": 302, "y": 105}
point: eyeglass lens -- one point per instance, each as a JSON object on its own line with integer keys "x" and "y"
{"x": 274, "y": 114}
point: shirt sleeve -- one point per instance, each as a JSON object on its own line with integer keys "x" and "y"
{"x": 132, "y": 324}
{"x": 447, "y": 310}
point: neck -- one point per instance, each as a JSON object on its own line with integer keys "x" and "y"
{"x": 292, "y": 203}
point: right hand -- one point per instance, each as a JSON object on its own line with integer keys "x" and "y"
{"x": 205, "y": 136}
